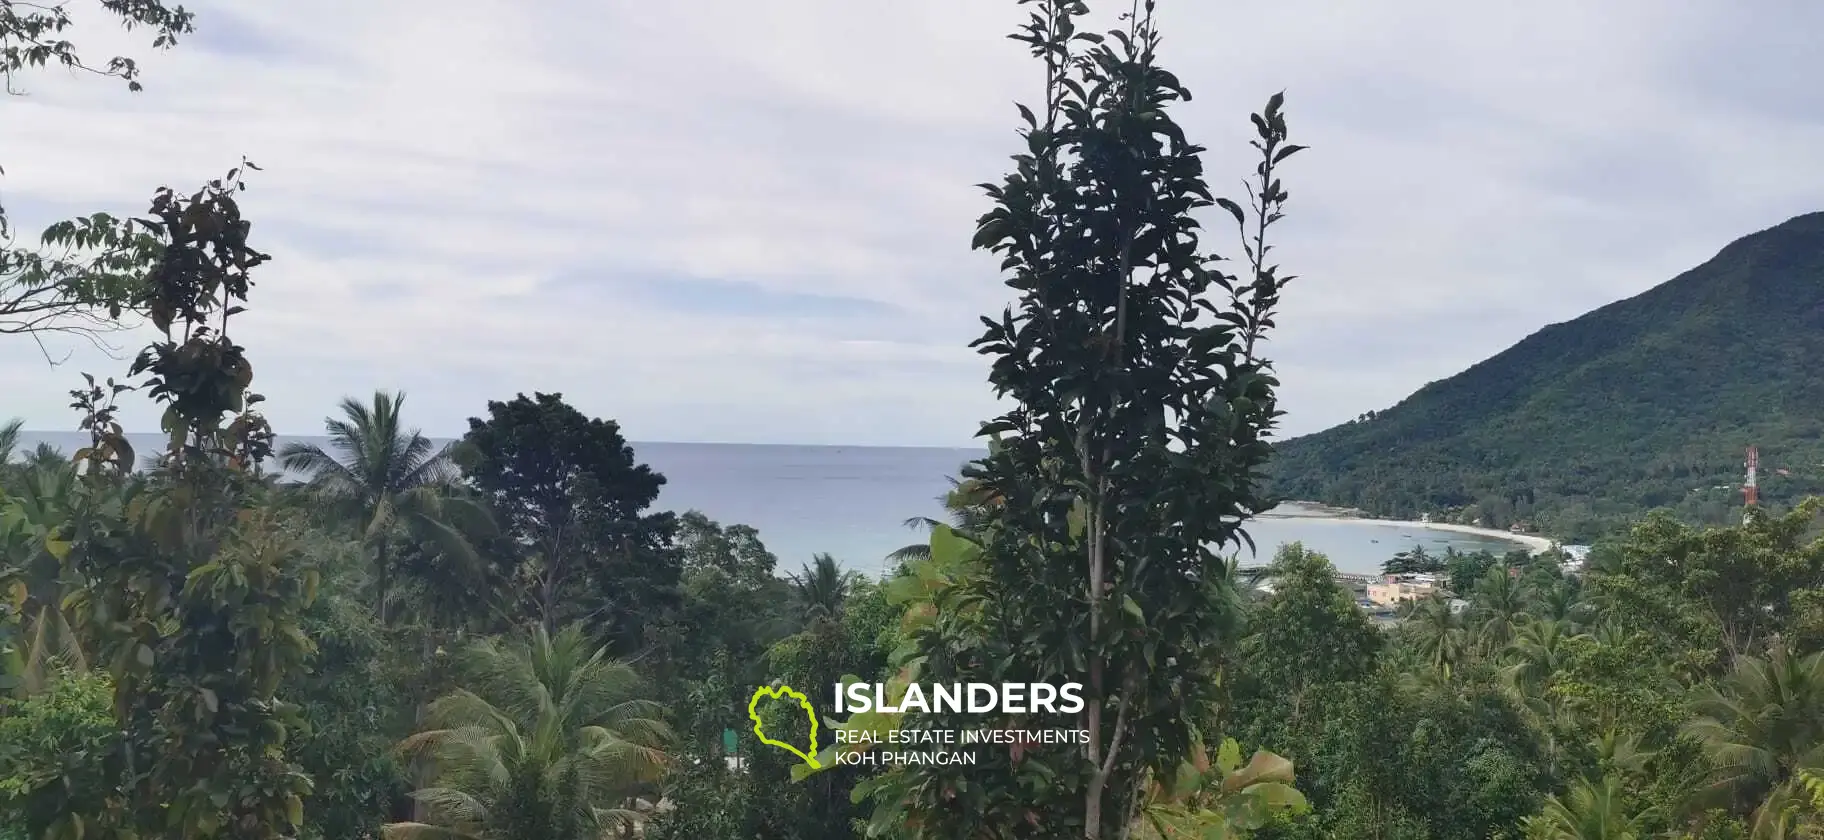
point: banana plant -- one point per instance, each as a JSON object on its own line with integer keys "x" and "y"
{"x": 1220, "y": 801}
{"x": 35, "y": 567}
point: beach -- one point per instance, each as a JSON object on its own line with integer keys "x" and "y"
{"x": 1314, "y": 512}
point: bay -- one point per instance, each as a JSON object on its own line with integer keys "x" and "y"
{"x": 852, "y": 501}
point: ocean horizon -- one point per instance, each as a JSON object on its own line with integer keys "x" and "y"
{"x": 852, "y": 502}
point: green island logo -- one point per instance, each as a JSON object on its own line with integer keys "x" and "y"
{"x": 780, "y": 693}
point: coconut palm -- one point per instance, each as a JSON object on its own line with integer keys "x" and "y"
{"x": 9, "y": 439}
{"x": 1588, "y": 811}
{"x": 1436, "y": 635}
{"x": 1499, "y": 607}
{"x": 1556, "y": 601}
{"x": 969, "y": 506}
{"x": 822, "y": 587}
{"x": 1763, "y": 726}
{"x": 1537, "y": 651}
{"x": 393, "y": 483}
{"x": 552, "y": 740}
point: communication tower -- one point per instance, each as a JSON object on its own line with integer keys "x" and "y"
{"x": 1751, "y": 491}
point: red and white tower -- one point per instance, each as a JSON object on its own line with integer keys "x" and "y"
{"x": 1751, "y": 490}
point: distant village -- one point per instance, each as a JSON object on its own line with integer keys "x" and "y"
{"x": 1384, "y": 597}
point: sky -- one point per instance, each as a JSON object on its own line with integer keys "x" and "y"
{"x": 729, "y": 221}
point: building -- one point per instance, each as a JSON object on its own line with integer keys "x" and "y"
{"x": 1392, "y": 593}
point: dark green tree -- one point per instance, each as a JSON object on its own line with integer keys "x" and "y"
{"x": 573, "y": 502}
{"x": 1133, "y": 448}
{"x": 1308, "y": 632}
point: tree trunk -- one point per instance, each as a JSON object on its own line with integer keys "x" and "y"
{"x": 383, "y": 580}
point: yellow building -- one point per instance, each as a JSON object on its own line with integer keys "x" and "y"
{"x": 1392, "y": 594}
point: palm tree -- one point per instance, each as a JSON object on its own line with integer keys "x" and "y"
{"x": 823, "y": 587}
{"x": 1499, "y": 605}
{"x": 1557, "y": 601}
{"x": 969, "y": 505}
{"x": 1435, "y": 633}
{"x": 1763, "y": 726}
{"x": 1588, "y": 811}
{"x": 9, "y": 439}
{"x": 392, "y": 483}
{"x": 1536, "y": 653}
{"x": 553, "y": 740}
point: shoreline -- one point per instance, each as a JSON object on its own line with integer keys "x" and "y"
{"x": 1328, "y": 513}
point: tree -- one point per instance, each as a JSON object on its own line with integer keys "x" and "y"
{"x": 968, "y": 505}
{"x": 1435, "y": 633}
{"x": 822, "y": 588}
{"x": 390, "y": 482}
{"x": 61, "y": 293}
{"x": 1498, "y": 608}
{"x": 31, "y": 36}
{"x": 554, "y": 740}
{"x": 1762, "y": 727}
{"x": 1136, "y": 439}
{"x": 1309, "y": 631}
{"x": 193, "y": 587}
{"x": 1413, "y": 561}
{"x": 1589, "y": 811}
{"x": 571, "y": 496}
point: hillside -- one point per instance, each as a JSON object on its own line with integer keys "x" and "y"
{"x": 1647, "y": 402}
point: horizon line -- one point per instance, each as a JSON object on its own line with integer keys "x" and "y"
{"x": 631, "y": 442}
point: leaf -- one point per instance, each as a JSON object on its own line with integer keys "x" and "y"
{"x": 1263, "y": 767}
{"x": 58, "y": 548}
{"x": 209, "y": 699}
{"x": 1228, "y": 757}
{"x": 1132, "y": 607}
{"x": 1234, "y": 209}
{"x": 145, "y": 656}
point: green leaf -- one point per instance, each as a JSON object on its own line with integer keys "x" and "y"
{"x": 145, "y": 656}
{"x": 1132, "y": 607}
{"x": 1228, "y": 758}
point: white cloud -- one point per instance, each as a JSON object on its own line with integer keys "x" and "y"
{"x": 458, "y": 193}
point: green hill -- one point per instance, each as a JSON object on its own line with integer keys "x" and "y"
{"x": 1648, "y": 402}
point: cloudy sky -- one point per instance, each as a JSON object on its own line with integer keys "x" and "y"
{"x": 723, "y": 220}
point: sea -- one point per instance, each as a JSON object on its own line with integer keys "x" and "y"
{"x": 852, "y": 502}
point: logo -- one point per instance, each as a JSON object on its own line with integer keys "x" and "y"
{"x": 780, "y": 693}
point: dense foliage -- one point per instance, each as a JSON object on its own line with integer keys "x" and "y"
{"x": 503, "y": 640}
{"x": 1645, "y": 403}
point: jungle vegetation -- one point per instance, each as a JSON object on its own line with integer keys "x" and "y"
{"x": 502, "y": 639}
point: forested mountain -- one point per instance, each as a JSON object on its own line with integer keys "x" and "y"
{"x": 1647, "y": 402}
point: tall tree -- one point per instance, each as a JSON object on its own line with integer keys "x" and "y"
{"x": 392, "y": 483}
{"x": 1136, "y": 441}
{"x": 822, "y": 587}
{"x": 573, "y": 499}
{"x": 1308, "y": 632}
{"x": 193, "y": 588}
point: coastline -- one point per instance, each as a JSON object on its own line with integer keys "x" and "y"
{"x": 1328, "y": 513}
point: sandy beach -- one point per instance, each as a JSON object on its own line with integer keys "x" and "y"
{"x": 1537, "y": 544}
{"x": 1324, "y": 513}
